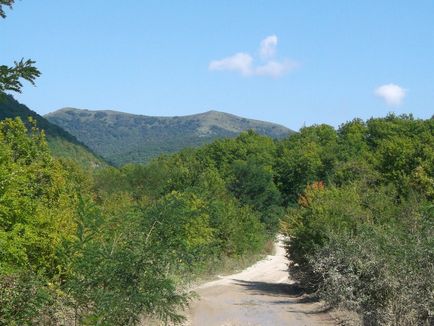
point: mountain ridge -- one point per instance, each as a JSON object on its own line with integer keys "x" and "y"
{"x": 125, "y": 137}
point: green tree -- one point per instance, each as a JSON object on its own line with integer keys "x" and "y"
{"x": 363, "y": 239}
{"x": 117, "y": 271}
{"x": 180, "y": 224}
{"x": 34, "y": 190}
{"x": 253, "y": 185}
{"x": 37, "y": 214}
{"x": 308, "y": 156}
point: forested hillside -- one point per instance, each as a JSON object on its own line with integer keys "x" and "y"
{"x": 127, "y": 138}
{"x": 112, "y": 245}
{"x": 61, "y": 143}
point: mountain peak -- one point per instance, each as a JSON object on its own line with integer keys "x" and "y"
{"x": 122, "y": 137}
{"x": 214, "y": 112}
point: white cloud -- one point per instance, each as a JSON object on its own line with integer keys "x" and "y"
{"x": 239, "y": 62}
{"x": 392, "y": 94}
{"x": 275, "y": 68}
{"x": 268, "y": 47}
{"x": 243, "y": 63}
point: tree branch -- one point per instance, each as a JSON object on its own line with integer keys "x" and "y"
{"x": 10, "y": 77}
{"x": 7, "y": 3}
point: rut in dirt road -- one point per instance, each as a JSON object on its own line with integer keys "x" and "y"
{"x": 260, "y": 295}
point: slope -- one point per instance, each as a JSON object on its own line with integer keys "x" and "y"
{"x": 61, "y": 142}
{"x": 122, "y": 138}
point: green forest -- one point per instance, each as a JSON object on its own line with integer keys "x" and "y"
{"x": 111, "y": 246}
{"x": 122, "y": 138}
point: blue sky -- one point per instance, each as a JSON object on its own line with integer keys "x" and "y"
{"x": 320, "y": 61}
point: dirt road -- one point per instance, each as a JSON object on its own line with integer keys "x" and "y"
{"x": 260, "y": 295}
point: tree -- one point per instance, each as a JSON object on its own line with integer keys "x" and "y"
{"x": 11, "y": 76}
{"x": 7, "y": 3}
{"x": 253, "y": 185}
{"x": 308, "y": 156}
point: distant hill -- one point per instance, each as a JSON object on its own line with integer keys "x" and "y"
{"x": 61, "y": 142}
{"x": 121, "y": 137}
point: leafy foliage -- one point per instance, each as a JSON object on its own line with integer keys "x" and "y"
{"x": 115, "y": 244}
{"x": 10, "y": 77}
{"x": 117, "y": 273}
{"x": 7, "y": 3}
{"x": 361, "y": 234}
{"x": 34, "y": 189}
{"x": 111, "y": 247}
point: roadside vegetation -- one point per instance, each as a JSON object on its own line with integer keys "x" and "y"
{"x": 112, "y": 245}
{"x": 360, "y": 217}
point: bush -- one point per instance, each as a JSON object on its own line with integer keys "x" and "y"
{"x": 118, "y": 272}
{"x": 362, "y": 250}
{"x": 384, "y": 273}
{"x": 28, "y": 299}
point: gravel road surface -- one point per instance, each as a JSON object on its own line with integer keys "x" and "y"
{"x": 262, "y": 294}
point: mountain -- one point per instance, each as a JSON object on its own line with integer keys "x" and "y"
{"x": 61, "y": 142}
{"x": 122, "y": 137}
